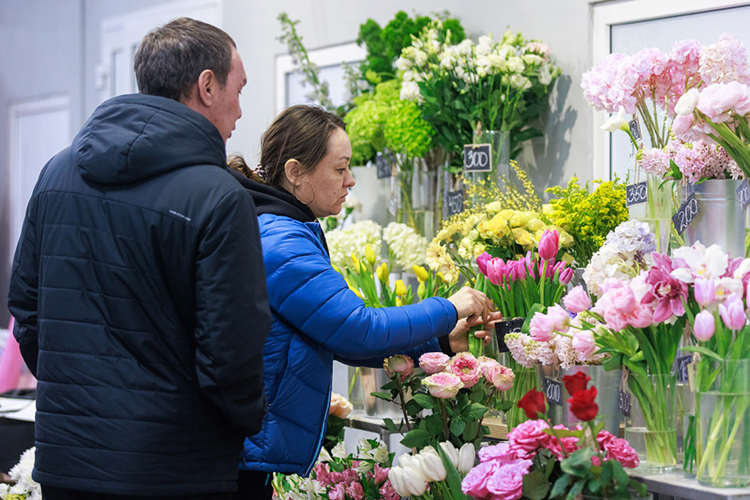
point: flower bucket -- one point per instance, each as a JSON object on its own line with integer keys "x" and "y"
{"x": 372, "y": 379}
{"x": 606, "y": 383}
{"x": 723, "y": 427}
{"x": 354, "y": 386}
{"x": 720, "y": 220}
{"x": 651, "y": 428}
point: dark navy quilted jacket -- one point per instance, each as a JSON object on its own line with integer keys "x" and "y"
{"x": 139, "y": 286}
{"x": 316, "y": 318}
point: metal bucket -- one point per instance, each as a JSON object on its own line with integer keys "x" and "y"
{"x": 720, "y": 220}
{"x": 606, "y": 383}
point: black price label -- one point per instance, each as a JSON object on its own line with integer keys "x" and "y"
{"x": 623, "y": 402}
{"x": 502, "y": 328}
{"x": 477, "y": 158}
{"x": 743, "y": 195}
{"x": 635, "y": 129}
{"x": 686, "y": 213}
{"x": 682, "y": 367}
{"x": 553, "y": 391}
{"x": 636, "y": 194}
{"x": 384, "y": 166}
{"x": 454, "y": 202}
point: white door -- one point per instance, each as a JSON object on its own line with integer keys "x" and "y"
{"x": 121, "y": 36}
{"x": 39, "y": 129}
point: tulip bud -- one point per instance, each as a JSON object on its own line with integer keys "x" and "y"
{"x": 451, "y": 451}
{"x": 466, "y": 457}
{"x": 369, "y": 254}
{"x": 549, "y": 244}
{"x": 357, "y": 264}
{"x": 400, "y": 288}
{"x": 431, "y": 464}
{"x": 704, "y": 326}
{"x": 382, "y": 273}
{"x": 399, "y": 302}
{"x": 421, "y": 272}
{"x": 421, "y": 290}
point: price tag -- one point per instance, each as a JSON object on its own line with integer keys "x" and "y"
{"x": 743, "y": 195}
{"x": 683, "y": 363}
{"x": 688, "y": 211}
{"x": 635, "y": 129}
{"x": 636, "y": 194}
{"x": 477, "y": 158}
{"x": 384, "y": 166}
{"x": 502, "y": 328}
{"x": 553, "y": 391}
{"x": 623, "y": 402}
{"x": 454, "y": 202}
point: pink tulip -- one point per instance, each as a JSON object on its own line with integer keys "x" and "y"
{"x": 704, "y": 326}
{"x": 566, "y": 275}
{"x": 732, "y": 312}
{"x": 577, "y": 300}
{"x": 482, "y": 262}
{"x": 549, "y": 244}
{"x": 560, "y": 318}
{"x": 705, "y": 291}
{"x": 496, "y": 271}
{"x": 584, "y": 343}
{"x": 541, "y": 327}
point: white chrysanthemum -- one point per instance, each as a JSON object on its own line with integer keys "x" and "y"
{"x": 21, "y": 474}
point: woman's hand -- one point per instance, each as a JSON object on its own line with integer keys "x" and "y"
{"x": 469, "y": 302}
{"x": 459, "y": 337}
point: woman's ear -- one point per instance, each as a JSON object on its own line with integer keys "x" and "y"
{"x": 293, "y": 171}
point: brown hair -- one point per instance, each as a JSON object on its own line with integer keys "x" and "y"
{"x": 170, "y": 59}
{"x": 237, "y": 162}
{"x": 301, "y": 133}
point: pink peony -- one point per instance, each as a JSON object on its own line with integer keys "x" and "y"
{"x": 400, "y": 363}
{"x": 475, "y": 482}
{"x": 577, "y": 300}
{"x": 500, "y": 376}
{"x": 466, "y": 368}
{"x": 433, "y": 362}
{"x": 620, "y": 450}
{"x": 528, "y": 437}
{"x": 499, "y": 453}
{"x": 507, "y": 482}
{"x": 620, "y": 309}
{"x": 442, "y": 385}
{"x": 541, "y": 327}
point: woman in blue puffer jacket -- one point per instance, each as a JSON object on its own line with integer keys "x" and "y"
{"x": 316, "y": 318}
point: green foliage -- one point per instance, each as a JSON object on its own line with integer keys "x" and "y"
{"x": 406, "y": 132}
{"x": 334, "y": 432}
{"x": 366, "y": 122}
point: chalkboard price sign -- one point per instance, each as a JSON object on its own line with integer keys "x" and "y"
{"x": 477, "y": 158}
{"x": 682, "y": 367}
{"x": 743, "y": 195}
{"x": 454, "y": 202}
{"x": 384, "y": 166}
{"x": 688, "y": 211}
{"x": 553, "y": 391}
{"x": 623, "y": 402}
{"x": 635, "y": 129}
{"x": 636, "y": 194}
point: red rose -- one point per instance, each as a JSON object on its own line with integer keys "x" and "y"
{"x": 582, "y": 404}
{"x": 575, "y": 383}
{"x": 533, "y": 403}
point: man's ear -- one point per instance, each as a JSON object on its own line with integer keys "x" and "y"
{"x": 207, "y": 84}
{"x": 292, "y": 171}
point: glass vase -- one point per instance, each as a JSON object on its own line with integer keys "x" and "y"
{"x": 372, "y": 379}
{"x": 723, "y": 424}
{"x": 657, "y": 211}
{"x": 499, "y": 160}
{"x": 525, "y": 380}
{"x": 426, "y": 191}
{"x": 651, "y": 428}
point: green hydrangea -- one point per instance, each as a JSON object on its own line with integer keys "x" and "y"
{"x": 405, "y": 130}
{"x": 365, "y": 123}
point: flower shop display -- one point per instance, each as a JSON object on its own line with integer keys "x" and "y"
{"x": 435, "y": 473}
{"x": 25, "y": 488}
{"x": 339, "y": 475}
{"x": 457, "y": 393}
{"x": 543, "y": 461}
{"x": 587, "y": 214}
{"x": 458, "y": 84}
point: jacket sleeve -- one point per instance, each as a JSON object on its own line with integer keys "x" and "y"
{"x": 24, "y": 290}
{"x": 313, "y": 298}
{"x": 232, "y": 314}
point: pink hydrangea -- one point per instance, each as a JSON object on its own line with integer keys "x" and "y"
{"x": 433, "y": 362}
{"x": 724, "y": 61}
{"x": 466, "y": 368}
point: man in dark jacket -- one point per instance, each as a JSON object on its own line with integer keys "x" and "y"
{"x": 139, "y": 289}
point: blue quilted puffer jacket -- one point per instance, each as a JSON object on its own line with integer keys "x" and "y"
{"x": 316, "y": 318}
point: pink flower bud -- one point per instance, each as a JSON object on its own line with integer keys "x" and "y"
{"x": 496, "y": 271}
{"x": 732, "y": 312}
{"x": 704, "y": 326}
{"x": 549, "y": 244}
{"x": 577, "y": 300}
{"x": 566, "y": 275}
{"x": 705, "y": 291}
{"x": 482, "y": 262}
{"x": 400, "y": 363}
{"x": 584, "y": 344}
{"x": 433, "y": 362}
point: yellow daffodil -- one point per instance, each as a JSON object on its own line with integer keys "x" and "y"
{"x": 400, "y": 288}
{"x": 421, "y": 272}
{"x": 369, "y": 255}
{"x": 382, "y": 272}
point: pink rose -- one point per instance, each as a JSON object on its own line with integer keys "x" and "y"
{"x": 500, "y": 376}
{"x": 400, "y": 363}
{"x": 340, "y": 406}
{"x": 466, "y": 368}
{"x": 528, "y": 437}
{"x": 507, "y": 482}
{"x": 620, "y": 450}
{"x": 584, "y": 343}
{"x": 604, "y": 438}
{"x": 433, "y": 362}
{"x": 577, "y": 300}
{"x": 499, "y": 453}
{"x": 475, "y": 482}
{"x": 541, "y": 327}
{"x": 570, "y": 443}
{"x": 442, "y": 385}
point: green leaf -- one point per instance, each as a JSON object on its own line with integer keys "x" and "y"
{"x": 457, "y": 427}
{"x": 382, "y": 395}
{"x": 639, "y": 487}
{"x": 416, "y": 438}
{"x": 474, "y": 412}
{"x": 563, "y": 433}
{"x": 606, "y": 474}
{"x": 412, "y": 408}
{"x": 535, "y": 485}
{"x": 390, "y": 425}
{"x": 434, "y": 424}
{"x": 424, "y": 400}
{"x": 576, "y": 489}
{"x": 595, "y": 484}
{"x": 560, "y": 486}
{"x": 472, "y": 428}
{"x": 619, "y": 473}
{"x": 702, "y": 350}
{"x": 390, "y": 386}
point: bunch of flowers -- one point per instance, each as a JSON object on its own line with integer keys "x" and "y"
{"x": 625, "y": 253}
{"x": 343, "y": 476}
{"x": 25, "y": 488}
{"x": 540, "y": 461}
{"x": 458, "y": 390}
{"x": 434, "y": 472}
{"x": 353, "y": 240}
{"x": 406, "y": 247}
{"x": 587, "y": 216}
{"x": 365, "y": 123}
{"x": 502, "y": 85}
{"x": 363, "y": 276}
{"x": 695, "y": 161}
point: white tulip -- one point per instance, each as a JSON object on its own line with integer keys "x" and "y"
{"x": 396, "y": 476}
{"x": 687, "y": 103}
{"x": 466, "y": 456}
{"x": 432, "y": 465}
{"x": 615, "y": 122}
{"x": 451, "y": 451}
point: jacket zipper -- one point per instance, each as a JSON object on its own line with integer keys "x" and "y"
{"x": 322, "y": 433}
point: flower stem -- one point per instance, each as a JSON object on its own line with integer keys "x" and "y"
{"x": 403, "y": 404}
